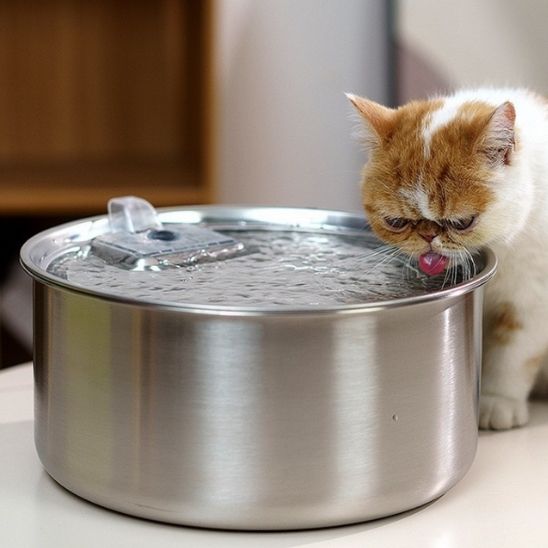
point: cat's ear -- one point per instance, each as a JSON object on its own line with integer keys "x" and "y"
{"x": 379, "y": 120}
{"x": 498, "y": 138}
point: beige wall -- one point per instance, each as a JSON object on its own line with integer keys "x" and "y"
{"x": 476, "y": 42}
{"x": 284, "y": 127}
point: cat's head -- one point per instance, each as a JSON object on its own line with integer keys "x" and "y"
{"x": 437, "y": 179}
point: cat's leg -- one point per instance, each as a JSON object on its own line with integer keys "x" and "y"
{"x": 514, "y": 346}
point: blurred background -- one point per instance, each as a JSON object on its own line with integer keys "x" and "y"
{"x": 218, "y": 101}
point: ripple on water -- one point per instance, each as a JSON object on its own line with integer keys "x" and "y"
{"x": 287, "y": 269}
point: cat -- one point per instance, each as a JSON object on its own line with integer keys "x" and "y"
{"x": 448, "y": 175}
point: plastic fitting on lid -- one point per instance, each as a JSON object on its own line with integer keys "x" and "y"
{"x": 132, "y": 214}
{"x": 137, "y": 240}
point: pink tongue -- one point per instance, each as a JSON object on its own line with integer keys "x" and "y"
{"x": 432, "y": 263}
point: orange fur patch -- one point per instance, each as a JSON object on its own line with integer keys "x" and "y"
{"x": 505, "y": 323}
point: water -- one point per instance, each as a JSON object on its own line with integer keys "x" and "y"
{"x": 286, "y": 268}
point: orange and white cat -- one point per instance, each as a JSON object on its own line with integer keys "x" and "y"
{"x": 449, "y": 175}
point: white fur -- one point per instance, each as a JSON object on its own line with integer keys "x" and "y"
{"x": 516, "y": 228}
{"x": 419, "y": 198}
{"x": 438, "y": 119}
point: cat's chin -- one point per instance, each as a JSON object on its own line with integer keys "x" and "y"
{"x": 432, "y": 263}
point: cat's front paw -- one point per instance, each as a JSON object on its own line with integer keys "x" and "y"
{"x": 501, "y": 413}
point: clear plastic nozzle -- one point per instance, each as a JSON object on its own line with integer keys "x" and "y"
{"x": 132, "y": 214}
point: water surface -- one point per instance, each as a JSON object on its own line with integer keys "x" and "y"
{"x": 285, "y": 268}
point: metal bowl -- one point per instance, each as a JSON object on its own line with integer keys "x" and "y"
{"x": 249, "y": 417}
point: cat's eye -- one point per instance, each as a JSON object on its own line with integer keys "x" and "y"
{"x": 396, "y": 224}
{"x": 463, "y": 224}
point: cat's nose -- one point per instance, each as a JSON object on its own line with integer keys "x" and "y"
{"x": 428, "y": 236}
{"x": 427, "y": 230}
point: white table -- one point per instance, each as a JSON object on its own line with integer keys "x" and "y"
{"x": 502, "y": 501}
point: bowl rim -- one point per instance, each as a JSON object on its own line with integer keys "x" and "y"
{"x": 313, "y": 218}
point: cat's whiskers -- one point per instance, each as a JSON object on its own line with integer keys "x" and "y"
{"x": 461, "y": 265}
{"x": 447, "y": 270}
{"x": 365, "y": 259}
{"x": 389, "y": 256}
{"x": 467, "y": 263}
{"x": 465, "y": 266}
{"x": 472, "y": 262}
{"x": 379, "y": 251}
{"x": 411, "y": 267}
{"x": 466, "y": 270}
{"x": 405, "y": 269}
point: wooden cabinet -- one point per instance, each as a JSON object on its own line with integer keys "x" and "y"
{"x": 103, "y": 98}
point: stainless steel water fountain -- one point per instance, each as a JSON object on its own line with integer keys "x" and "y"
{"x": 252, "y": 417}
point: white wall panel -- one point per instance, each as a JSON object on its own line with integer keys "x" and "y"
{"x": 284, "y": 127}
